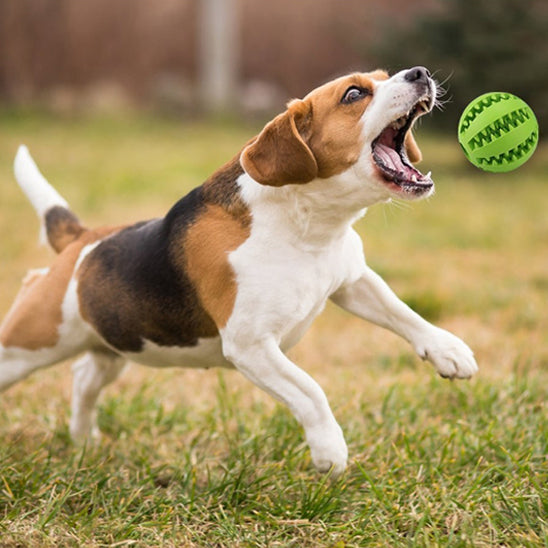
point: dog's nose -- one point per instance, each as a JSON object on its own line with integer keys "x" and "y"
{"x": 417, "y": 74}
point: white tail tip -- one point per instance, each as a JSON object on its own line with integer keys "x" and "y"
{"x": 40, "y": 193}
{"x": 23, "y": 164}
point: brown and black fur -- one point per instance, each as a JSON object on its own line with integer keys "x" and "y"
{"x": 147, "y": 281}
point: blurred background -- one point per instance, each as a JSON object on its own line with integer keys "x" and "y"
{"x": 219, "y": 55}
{"x": 126, "y": 105}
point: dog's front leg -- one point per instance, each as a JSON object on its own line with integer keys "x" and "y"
{"x": 371, "y": 298}
{"x": 264, "y": 364}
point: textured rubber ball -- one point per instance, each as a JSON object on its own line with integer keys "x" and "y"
{"x": 498, "y": 132}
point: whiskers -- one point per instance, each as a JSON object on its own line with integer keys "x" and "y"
{"x": 441, "y": 92}
{"x": 390, "y": 209}
{"x": 400, "y": 205}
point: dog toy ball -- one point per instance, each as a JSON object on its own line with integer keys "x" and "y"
{"x": 498, "y": 132}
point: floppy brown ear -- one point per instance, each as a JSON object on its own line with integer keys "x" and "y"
{"x": 412, "y": 149}
{"x": 279, "y": 155}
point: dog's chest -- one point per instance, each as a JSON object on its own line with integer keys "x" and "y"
{"x": 282, "y": 287}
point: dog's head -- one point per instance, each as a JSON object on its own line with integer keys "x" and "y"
{"x": 359, "y": 124}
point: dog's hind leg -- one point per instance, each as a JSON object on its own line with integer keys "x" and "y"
{"x": 17, "y": 363}
{"x": 42, "y": 327}
{"x": 92, "y": 372}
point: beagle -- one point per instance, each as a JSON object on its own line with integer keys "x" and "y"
{"x": 237, "y": 270}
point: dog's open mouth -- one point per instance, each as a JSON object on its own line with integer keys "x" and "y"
{"x": 391, "y": 158}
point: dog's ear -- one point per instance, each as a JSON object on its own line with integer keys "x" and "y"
{"x": 412, "y": 149}
{"x": 279, "y": 155}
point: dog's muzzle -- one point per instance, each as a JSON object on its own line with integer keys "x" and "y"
{"x": 388, "y": 148}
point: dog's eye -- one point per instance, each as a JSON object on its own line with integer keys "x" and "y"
{"x": 353, "y": 94}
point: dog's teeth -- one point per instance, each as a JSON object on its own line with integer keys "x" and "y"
{"x": 400, "y": 122}
{"x": 428, "y": 175}
{"x": 414, "y": 178}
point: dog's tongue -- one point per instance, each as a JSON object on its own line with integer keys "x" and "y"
{"x": 390, "y": 158}
{"x": 396, "y": 167}
{"x": 394, "y": 162}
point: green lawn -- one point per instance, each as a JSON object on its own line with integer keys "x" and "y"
{"x": 202, "y": 458}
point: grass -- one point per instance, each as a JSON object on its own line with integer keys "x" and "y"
{"x": 201, "y": 458}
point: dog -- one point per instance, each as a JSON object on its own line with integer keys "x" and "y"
{"x": 237, "y": 270}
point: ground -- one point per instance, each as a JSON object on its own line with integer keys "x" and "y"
{"x": 202, "y": 458}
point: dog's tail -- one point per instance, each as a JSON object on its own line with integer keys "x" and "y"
{"x": 59, "y": 224}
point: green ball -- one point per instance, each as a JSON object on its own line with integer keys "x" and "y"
{"x": 498, "y": 132}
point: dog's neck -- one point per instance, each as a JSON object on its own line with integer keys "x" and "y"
{"x": 310, "y": 215}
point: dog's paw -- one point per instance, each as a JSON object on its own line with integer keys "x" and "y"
{"x": 328, "y": 450}
{"x": 451, "y": 357}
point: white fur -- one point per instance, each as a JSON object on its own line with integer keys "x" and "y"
{"x": 207, "y": 353}
{"x": 92, "y": 372}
